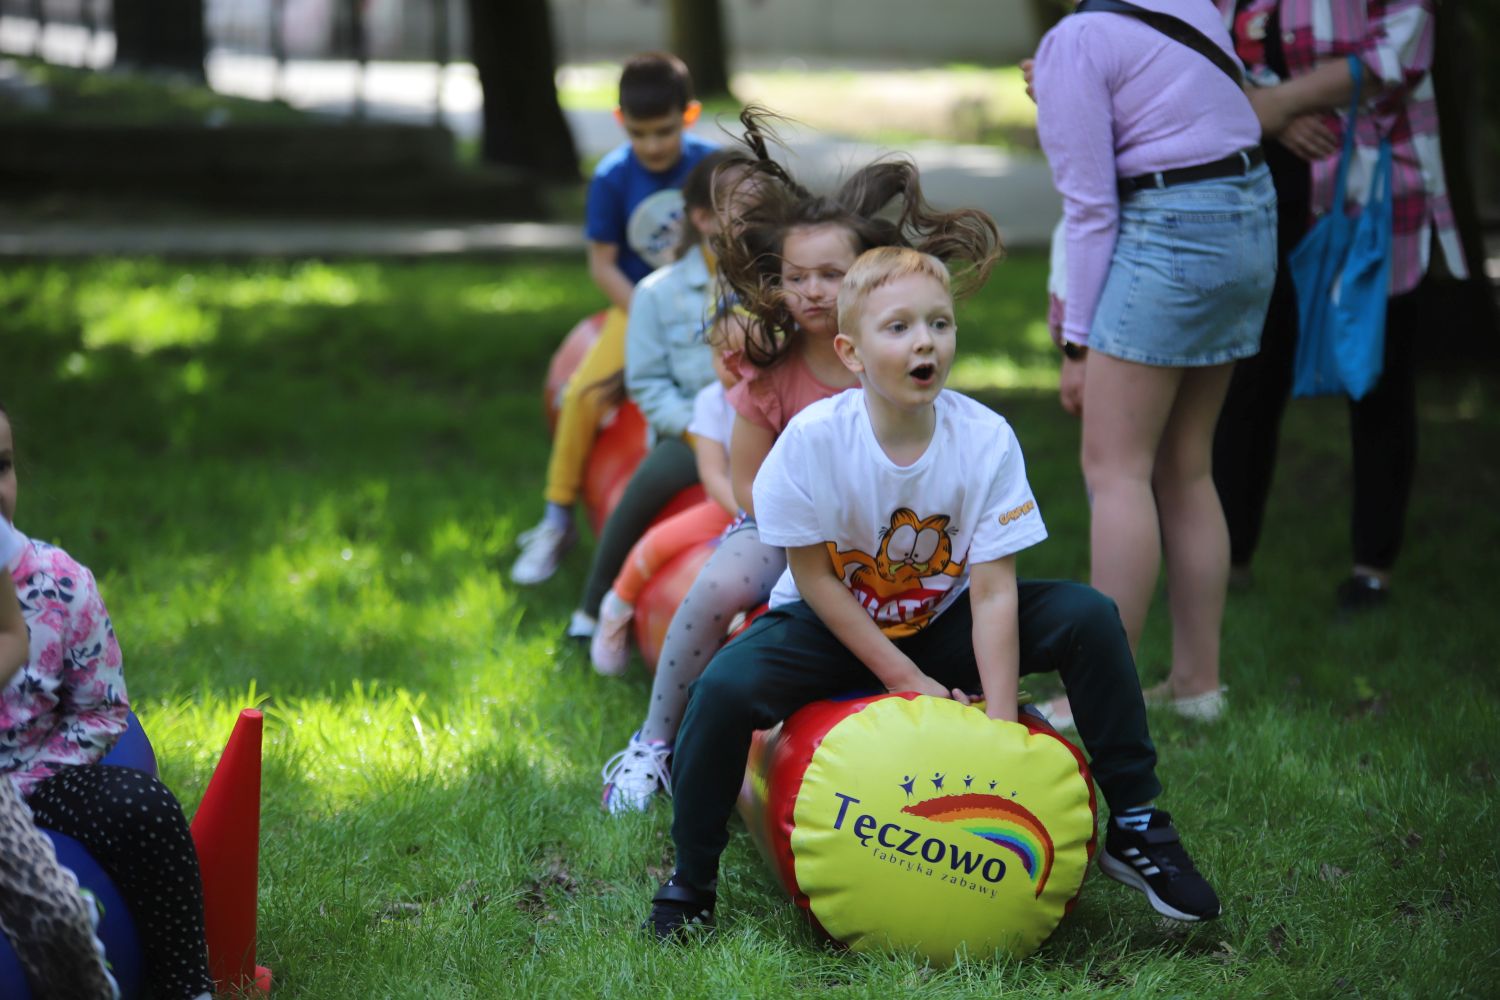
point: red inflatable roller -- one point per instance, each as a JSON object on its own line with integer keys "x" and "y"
{"x": 618, "y": 449}
{"x": 690, "y": 496}
{"x": 915, "y": 824}
{"x": 660, "y": 598}
{"x": 622, "y": 439}
{"x": 565, "y": 360}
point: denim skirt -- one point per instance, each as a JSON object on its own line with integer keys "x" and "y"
{"x": 1191, "y": 273}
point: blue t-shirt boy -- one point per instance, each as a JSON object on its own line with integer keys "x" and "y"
{"x": 640, "y": 210}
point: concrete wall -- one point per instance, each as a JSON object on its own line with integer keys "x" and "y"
{"x": 935, "y": 31}
{"x": 922, "y": 30}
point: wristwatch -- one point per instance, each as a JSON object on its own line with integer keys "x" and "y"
{"x": 1074, "y": 352}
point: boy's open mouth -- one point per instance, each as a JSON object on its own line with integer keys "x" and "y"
{"x": 923, "y": 372}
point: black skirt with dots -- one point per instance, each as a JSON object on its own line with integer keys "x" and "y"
{"x": 134, "y": 827}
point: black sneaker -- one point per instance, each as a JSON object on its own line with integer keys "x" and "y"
{"x": 1154, "y": 861}
{"x": 679, "y": 910}
{"x": 1360, "y": 593}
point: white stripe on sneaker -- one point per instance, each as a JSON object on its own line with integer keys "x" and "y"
{"x": 1126, "y": 875}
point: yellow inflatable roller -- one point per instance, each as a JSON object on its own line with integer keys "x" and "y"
{"x": 916, "y": 824}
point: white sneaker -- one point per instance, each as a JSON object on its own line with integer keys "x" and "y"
{"x": 1058, "y": 712}
{"x": 635, "y": 774}
{"x": 542, "y": 548}
{"x": 610, "y": 649}
{"x": 525, "y": 537}
{"x": 1205, "y": 707}
{"x": 581, "y": 626}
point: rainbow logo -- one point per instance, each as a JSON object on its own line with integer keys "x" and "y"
{"x": 1002, "y": 822}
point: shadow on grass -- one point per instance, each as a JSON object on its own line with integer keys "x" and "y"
{"x": 310, "y": 476}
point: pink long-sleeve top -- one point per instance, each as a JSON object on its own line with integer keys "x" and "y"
{"x": 1117, "y": 98}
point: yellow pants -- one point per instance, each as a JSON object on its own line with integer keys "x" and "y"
{"x": 581, "y": 411}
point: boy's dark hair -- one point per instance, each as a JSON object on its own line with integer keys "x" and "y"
{"x": 653, "y": 84}
{"x": 880, "y": 205}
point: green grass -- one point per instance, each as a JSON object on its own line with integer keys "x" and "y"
{"x": 299, "y": 485}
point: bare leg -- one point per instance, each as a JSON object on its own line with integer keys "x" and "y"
{"x": 1126, "y": 407}
{"x": 1195, "y": 539}
{"x": 1125, "y": 411}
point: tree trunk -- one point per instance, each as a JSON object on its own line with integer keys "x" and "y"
{"x": 512, "y": 47}
{"x": 1464, "y": 135}
{"x": 160, "y": 35}
{"x": 1046, "y": 13}
{"x": 697, "y": 37}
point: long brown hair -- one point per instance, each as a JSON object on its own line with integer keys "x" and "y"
{"x": 711, "y": 181}
{"x": 879, "y": 205}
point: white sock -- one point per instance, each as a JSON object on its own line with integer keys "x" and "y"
{"x": 615, "y": 607}
{"x": 1136, "y": 819}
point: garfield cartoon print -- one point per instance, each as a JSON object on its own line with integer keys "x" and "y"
{"x": 902, "y": 583}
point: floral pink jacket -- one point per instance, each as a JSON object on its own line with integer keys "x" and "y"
{"x": 67, "y": 705}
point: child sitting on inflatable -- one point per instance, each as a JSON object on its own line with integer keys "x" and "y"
{"x": 49, "y": 923}
{"x": 710, "y": 427}
{"x": 667, "y": 360}
{"x": 902, "y": 507}
{"x": 785, "y": 264}
{"x": 634, "y": 217}
{"x": 59, "y": 716}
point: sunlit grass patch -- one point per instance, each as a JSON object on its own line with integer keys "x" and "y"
{"x": 299, "y": 485}
{"x": 1034, "y": 367}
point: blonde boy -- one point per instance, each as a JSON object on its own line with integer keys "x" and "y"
{"x": 902, "y": 506}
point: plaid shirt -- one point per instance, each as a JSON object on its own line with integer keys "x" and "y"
{"x": 1394, "y": 41}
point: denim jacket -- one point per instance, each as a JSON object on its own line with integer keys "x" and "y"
{"x": 667, "y": 359}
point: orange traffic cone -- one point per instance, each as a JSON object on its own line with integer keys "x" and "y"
{"x": 226, "y": 832}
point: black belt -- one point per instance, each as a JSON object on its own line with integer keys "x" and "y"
{"x": 1233, "y": 165}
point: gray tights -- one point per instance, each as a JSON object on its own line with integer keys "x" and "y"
{"x": 737, "y": 577}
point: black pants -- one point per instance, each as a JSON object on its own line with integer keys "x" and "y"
{"x": 788, "y": 658}
{"x": 132, "y": 825}
{"x": 668, "y": 469}
{"x": 1382, "y": 426}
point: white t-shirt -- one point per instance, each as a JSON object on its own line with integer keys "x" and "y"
{"x": 11, "y": 543}
{"x": 901, "y": 539}
{"x": 713, "y": 417}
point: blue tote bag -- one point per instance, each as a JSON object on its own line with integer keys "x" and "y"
{"x": 1341, "y": 271}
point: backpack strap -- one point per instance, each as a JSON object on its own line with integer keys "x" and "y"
{"x": 1174, "y": 28}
